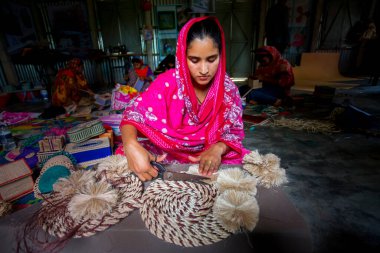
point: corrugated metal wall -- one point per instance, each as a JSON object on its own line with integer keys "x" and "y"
{"x": 3, "y": 81}
{"x": 236, "y": 19}
{"x": 169, "y": 2}
{"x": 110, "y": 69}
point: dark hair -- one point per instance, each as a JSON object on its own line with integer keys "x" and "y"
{"x": 261, "y": 53}
{"x": 205, "y": 28}
{"x": 136, "y": 60}
{"x": 260, "y": 57}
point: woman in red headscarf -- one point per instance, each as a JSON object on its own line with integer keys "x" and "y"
{"x": 139, "y": 71}
{"x": 190, "y": 114}
{"x": 70, "y": 84}
{"x": 276, "y": 75}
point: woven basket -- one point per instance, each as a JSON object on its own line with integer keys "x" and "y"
{"x": 85, "y": 131}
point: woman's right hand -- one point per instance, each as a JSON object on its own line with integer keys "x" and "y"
{"x": 139, "y": 160}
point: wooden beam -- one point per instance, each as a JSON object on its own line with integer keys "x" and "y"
{"x": 6, "y": 62}
{"x": 92, "y": 24}
{"x": 317, "y": 25}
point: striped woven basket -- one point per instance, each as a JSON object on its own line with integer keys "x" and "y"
{"x": 85, "y": 131}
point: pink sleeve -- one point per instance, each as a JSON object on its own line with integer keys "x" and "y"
{"x": 234, "y": 135}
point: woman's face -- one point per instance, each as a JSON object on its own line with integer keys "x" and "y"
{"x": 202, "y": 60}
{"x": 265, "y": 60}
{"x": 137, "y": 65}
{"x": 78, "y": 68}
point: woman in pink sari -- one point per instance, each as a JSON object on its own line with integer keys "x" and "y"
{"x": 190, "y": 114}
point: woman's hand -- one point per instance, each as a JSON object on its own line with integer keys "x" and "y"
{"x": 210, "y": 159}
{"x": 92, "y": 94}
{"x": 139, "y": 160}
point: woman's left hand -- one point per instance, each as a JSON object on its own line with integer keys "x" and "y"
{"x": 210, "y": 159}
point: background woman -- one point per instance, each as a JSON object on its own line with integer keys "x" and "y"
{"x": 190, "y": 114}
{"x": 70, "y": 85}
{"x": 140, "y": 71}
{"x": 276, "y": 75}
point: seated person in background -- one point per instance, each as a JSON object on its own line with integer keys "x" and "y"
{"x": 276, "y": 75}
{"x": 70, "y": 85}
{"x": 141, "y": 71}
{"x": 165, "y": 64}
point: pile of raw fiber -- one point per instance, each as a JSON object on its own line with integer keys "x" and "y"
{"x": 311, "y": 126}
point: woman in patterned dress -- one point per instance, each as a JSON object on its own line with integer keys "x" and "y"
{"x": 276, "y": 75}
{"x": 190, "y": 114}
{"x": 70, "y": 85}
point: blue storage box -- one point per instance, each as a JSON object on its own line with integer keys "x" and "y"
{"x": 90, "y": 152}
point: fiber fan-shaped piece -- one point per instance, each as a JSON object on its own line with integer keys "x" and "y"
{"x": 93, "y": 202}
{"x": 71, "y": 185}
{"x": 266, "y": 168}
{"x": 236, "y": 179}
{"x": 236, "y": 210}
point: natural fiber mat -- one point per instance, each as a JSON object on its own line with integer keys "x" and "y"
{"x": 181, "y": 213}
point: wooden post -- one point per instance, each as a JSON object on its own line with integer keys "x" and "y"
{"x": 8, "y": 67}
{"x": 149, "y": 49}
{"x": 263, "y": 14}
{"x": 92, "y": 24}
{"x": 317, "y": 25}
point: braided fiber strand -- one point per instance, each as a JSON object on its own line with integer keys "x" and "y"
{"x": 130, "y": 192}
{"x": 180, "y": 212}
{"x": 5, "y": 208}
{"x": 54, "y": 217}
{"x": 57, "y": 221}
{"x": 96, "y": 190}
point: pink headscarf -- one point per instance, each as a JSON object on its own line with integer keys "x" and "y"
{"x": 169, "y": 115}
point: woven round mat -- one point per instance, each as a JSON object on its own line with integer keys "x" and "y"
{"x": 56, "y": 219}
{"x": 180, "y": 212}
{"x": 55, "y": 160}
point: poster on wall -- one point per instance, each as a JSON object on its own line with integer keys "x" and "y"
{"x": 168, "y": 46}
{"x": 167, "y": 30}
{"x": 297, "y": 40}
{"x": 69, "y": 26}
{"x": 299, "y": 12}
{"x": 148, "y": 34}
{"x": 18, "y": 27}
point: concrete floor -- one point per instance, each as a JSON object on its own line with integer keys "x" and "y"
{"x": 333, "y": 178}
